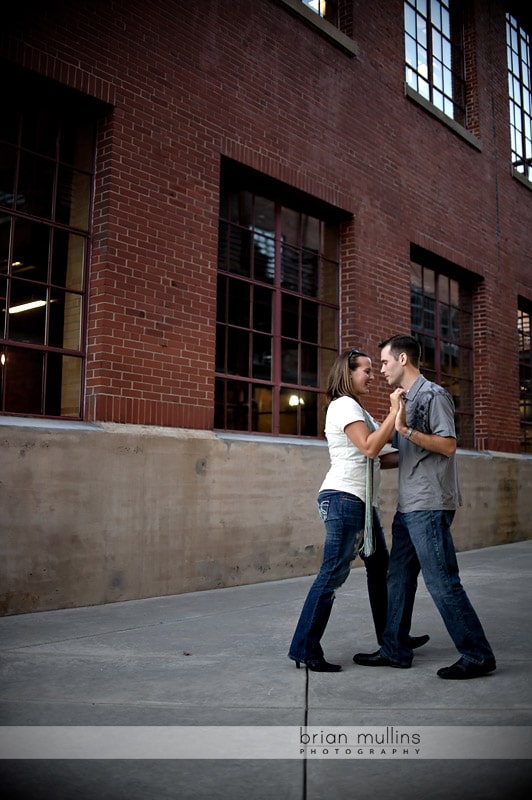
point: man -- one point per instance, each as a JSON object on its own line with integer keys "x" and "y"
{"x": 421, "y": 531}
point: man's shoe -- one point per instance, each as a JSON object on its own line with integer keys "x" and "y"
{"x": 418, "y": 641}
{"x": 463, "y": 670}
{"x": 376, "y": 660}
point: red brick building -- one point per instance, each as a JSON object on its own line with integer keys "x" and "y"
{"x": 204, "y": 201}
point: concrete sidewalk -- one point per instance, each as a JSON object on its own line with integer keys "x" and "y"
{"x": 218, "y": 658}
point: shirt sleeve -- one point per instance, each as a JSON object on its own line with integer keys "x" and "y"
{"x": 441, "y": 415}
{"x": 347, "y": 411}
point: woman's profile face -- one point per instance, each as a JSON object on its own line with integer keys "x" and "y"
{"x": 362, "y": 376}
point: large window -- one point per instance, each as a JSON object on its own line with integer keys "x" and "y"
{"x": 277, "y": 310}
{"x": 434, "y": 54}
{"x": 46, "y": 162}
{"x": 520, "y": 96}
{"x": 441, "y": 311}
{"x": 524, "y": 315}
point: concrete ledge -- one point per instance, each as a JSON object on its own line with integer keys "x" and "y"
{"x": 136, "y": 512}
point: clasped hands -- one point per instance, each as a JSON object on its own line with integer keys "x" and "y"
{"x": 397, "y": 406}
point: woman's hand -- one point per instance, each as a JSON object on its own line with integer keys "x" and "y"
{"x": 400, "y": 418}
{"x": 396, "y": 401}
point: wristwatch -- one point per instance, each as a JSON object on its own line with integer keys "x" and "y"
{"x": 409, "y": 433}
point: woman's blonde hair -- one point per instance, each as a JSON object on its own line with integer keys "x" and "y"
{"x": 339, "y": 381}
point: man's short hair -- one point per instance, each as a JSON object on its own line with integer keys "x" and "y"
{"x": 403, "y": 343}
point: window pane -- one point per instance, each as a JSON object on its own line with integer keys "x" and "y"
{"x": 23, "y": 380}
{"x": 262, "y": 308}
{"x": 428, "y": 354}
{"x": 73, "y": 195}
{"x": 237, "y": 352}
{"x": 290, "y": 316}
{"x": 262, "y": 357}
{"x": 262, "y": 421}
{"x": 290, "y": 362}
{"x": 309, "y": 365}
{"x": 240, "y": 250}
{"x": 329, "y": 282}
{"x": 36, "y": 185}
{"x": 310, "y": 233}
{"x": 309, "y": 321}
{"x": 65, "y": 320}
{"x": 8, "y": 159}
{"x": 238, "y": 405}
{"x": 68, "y": 260}
{"x": 27, "y": 312}
{"x": 31, "y": 248}
{"x": 328, "y": 335}
{"x": 309, "y": 273}
{"x": 410, "y": 20}
{"x": 221, "y": 299}
{"x": 264, "y": 215}
{"x": 290, "y": 227}
{"x": 264, "y": 258}
{"x": 3, "y": 307}
{"x": 289, "y": 411}
{"x": 239, "y": 303}
{"x": 221, "y": 349}
{"x": 63, "y": 386}
{"x": 290, "y": 268}
{"x": 410, "y": 52}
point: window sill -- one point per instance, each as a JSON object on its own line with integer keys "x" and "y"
{"x": 45, "y": 422}
{"x": 411, "y": 94}
{"x": 520, "y": 178}
{"x": 266, "y": 438}
{"x": 329, "y": 31}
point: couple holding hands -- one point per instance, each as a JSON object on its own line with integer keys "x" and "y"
{"x": 420, "y": 425}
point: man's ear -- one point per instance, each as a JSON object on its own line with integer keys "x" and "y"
{"x": 403, "y": 358}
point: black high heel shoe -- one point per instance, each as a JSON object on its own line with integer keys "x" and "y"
{"x": 319, "y": 665}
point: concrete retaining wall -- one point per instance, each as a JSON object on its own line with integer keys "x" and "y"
{"x": 96, "y": 514}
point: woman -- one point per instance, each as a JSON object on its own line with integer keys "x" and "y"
{"x": 353, "y": 437}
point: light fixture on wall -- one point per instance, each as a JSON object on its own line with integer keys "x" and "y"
{"x": 295, "y": 400}
{"x": 27, "y": 306}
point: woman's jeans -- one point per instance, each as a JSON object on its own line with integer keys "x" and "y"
{"x": 343, "y": 515}
{"x": 423, "y": 540}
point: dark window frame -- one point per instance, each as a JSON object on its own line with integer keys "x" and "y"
{"x": 277, "y": 323}
{"x": 442, "y": 321}
{"x": 43, "y": 349}
{"x": 446, "y": 93}
{"x": 519, "y": 62}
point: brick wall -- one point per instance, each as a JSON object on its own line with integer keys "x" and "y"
{"x": 188, "y": 83}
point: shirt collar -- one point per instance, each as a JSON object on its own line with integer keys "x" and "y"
{"x": 416, "y": 386}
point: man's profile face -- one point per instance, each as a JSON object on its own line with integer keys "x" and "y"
{"x": 391, "y": 367}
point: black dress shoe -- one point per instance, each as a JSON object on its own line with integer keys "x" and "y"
{"x": 376, "y": 660}
{"x": 463, "y": 670}
{"x": 418, "y": 641}
{"x": 319, "y": 665}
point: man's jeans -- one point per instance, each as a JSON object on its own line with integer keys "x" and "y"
{"x": 422, "y": 539}
{"x": 343, "y": 515}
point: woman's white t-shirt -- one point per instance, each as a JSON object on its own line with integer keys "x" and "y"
{"x": 347, "y": 472}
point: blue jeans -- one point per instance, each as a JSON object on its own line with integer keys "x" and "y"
{"x": 343, "y": 515}
{"x": 423, "y": 540}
